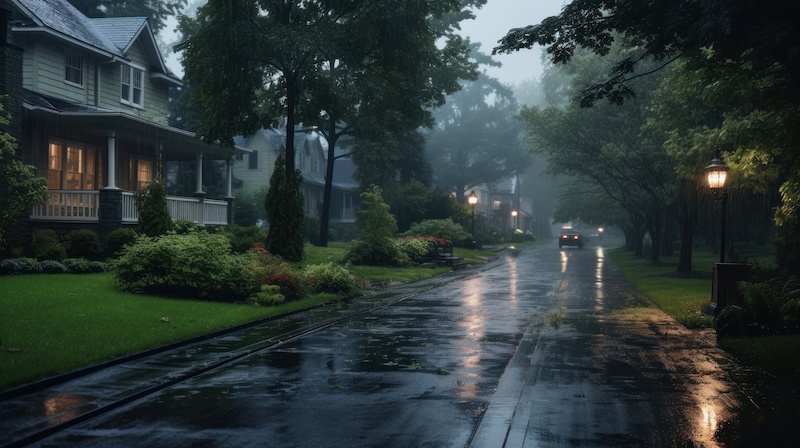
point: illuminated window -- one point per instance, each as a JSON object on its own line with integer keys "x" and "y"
{"x": 71, "y": 166}
{"x": 141, "y": 172}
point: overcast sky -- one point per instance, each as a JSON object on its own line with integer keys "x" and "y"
{"x": 493, "y": 21}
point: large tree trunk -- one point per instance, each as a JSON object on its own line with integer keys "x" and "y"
{"x": 324, "y": 215}
{"x": 687, "y": 211}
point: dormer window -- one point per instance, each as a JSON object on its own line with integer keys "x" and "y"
{"x": 131, "y": 86}
{"x": 73, "y": 69}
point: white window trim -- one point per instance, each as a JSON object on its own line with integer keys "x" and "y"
{"x": 132, "y": 67}
{"x": 82, "y": 69}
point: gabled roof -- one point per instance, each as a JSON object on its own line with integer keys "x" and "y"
{"x": 110, "y": 37}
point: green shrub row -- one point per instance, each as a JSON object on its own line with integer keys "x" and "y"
{"x": 18, "y": 266}
{"x": 202, "y": 264}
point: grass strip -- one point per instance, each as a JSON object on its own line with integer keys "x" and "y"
{"x": 53, "y": 324}
{"x": 683, "y": 298}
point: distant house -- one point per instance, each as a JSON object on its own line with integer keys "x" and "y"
{"x": 89, "y": 104}
{"x": 504, "y": 204}
{"x": 253, "y": 170}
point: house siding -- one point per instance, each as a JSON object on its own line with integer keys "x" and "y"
{"x": 253, "y": 180}
{"x": 47, "y": 61}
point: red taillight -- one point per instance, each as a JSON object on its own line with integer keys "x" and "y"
{"x": 564, "y": 236}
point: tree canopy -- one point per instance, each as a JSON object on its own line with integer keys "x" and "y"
{"x": 157, "y": 11}
{"x": 476, "y": 139}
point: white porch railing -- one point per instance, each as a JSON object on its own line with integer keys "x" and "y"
{"x": 129, "y": 213}
{"x": 69, "y": 205}
{"x": 66, "y": 205}
{"x": 215, "y": 212}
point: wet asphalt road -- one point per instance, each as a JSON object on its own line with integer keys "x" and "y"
{"x": 547, "y": 348}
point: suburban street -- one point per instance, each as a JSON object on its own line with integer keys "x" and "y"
{"x": 545, "y": 347}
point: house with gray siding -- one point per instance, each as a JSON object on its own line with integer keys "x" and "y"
{"x": 92, "y": 117}
{"x": 253, "y": 170}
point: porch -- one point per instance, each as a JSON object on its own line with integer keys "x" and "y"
{"x": 85, "y": 206}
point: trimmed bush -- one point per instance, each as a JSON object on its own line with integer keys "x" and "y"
{"x": 331, "y": 278}
{"x": 85, "y": 244}
{"x": 197, "y": 264}
{"x": 118, "y": 238}
{"x": 444, "y": 229}
{"x": 416, "y": 249}
{"x": 269, "y": 295}
{"x": 16, "y": 266}
{"x": 46, "y": 247}
{"x": 83, "y": 266}
{"x": 182, "y": 227}
{"x": 243, "y": 238}
{"x": 288, "y": 282}
{"x": 51, "y": 267}
{"x": 151, "y": 205}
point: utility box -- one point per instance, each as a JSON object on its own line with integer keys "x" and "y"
{"x": 723, "y": 285}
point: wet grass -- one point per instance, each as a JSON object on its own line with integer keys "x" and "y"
{"x": 775, "y": 353}
{"x": 53, "y": 324}
{"x": 683, "y": 298}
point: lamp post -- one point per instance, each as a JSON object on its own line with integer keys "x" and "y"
{"x": 716, "y": 175}
{"x": 473, "y": 202}
{"x": 514, "y": 221}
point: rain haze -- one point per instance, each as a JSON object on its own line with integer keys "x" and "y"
{"x": 493, "y": 21}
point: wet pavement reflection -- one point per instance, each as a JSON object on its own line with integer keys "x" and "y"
{"x": 548, "y": 348}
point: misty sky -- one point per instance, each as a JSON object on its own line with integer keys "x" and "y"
{"x": 493, "y": 21}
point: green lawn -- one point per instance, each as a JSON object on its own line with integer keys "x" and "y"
{"x": 55, "y": 323}
{"x": 52, "y": 324}
{"x": 685, "y": 298}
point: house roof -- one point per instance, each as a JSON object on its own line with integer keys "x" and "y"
{"x": 49, "y": 106}
{"x": 110, "y": 37}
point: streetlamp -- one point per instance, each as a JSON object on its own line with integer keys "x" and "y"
{"x": 514, "y": 215}
{"x": 717, "y": 174}
{"x": 473, "y": 202}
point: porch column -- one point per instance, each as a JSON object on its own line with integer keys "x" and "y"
{"x": 199, "y": 189}
{"x": 111, "y": 169}
{"x": 229, "y": 172}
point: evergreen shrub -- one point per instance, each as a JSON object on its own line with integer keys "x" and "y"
{"x": 47, "y": 247}
{"x": 416, "y": 249}
{"x": 83, "y": 266}
{"x": 17, "y": 266}
{"x": 85, "y": 244}
{"x": 243, "y": 238}
{"x": 198, "y": 265}
{"x": 377, "y": 227}
{"x": 51, "y": 267}
{"x": 118, "y": 238}
{"x": 332, "y": 278}
{"x": 444, "y": 229}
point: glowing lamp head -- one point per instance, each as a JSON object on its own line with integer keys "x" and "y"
{"x": 472, "y": 198}
{"x": 716, "y": 174}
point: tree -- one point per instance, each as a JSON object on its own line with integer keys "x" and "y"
{"x": 20, "y": 188}
{"x": 284, "y": 207}
{"x": 751, "y": 40}
{"x": 157, "y": 11}
{"x": 759, "y": 32}
{"x": 377, "y": 229}
{"x": 151, "y": 206}
{"x": 253, "y": 63}
{"x": 476, "y": 138}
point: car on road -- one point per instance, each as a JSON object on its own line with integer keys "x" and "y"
{"x": 569, "y": 237}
